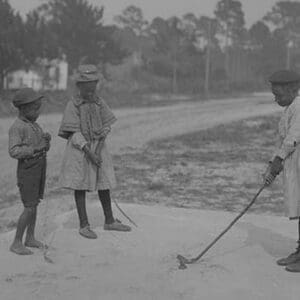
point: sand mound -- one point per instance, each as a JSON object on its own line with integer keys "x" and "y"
{"x": 142, "y": 264}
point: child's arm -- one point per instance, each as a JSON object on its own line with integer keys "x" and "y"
{"x": 105, "y": 132}
{"x": 79, "y": 142}
{"x": 92, "y": 156}
{"x": 17, "y": 149}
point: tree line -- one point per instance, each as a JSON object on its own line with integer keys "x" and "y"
{"x": 191, "y": 52}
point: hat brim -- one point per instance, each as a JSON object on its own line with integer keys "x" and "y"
{"x": 284, "y": 82}
{"x": 90, "y": 80}
{"x": 16, "y": 104}
{"x": 86, "y": 78}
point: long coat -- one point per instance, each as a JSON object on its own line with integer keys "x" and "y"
{"x": 77, "y": 172}
{"x": 289, "y": 150}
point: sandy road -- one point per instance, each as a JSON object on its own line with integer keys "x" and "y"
{"x": 137, "y": 126}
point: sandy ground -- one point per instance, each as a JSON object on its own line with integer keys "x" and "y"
{"x": 142, "y": 264}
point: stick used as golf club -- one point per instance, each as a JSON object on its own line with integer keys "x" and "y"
{"x": 183, "y": 261}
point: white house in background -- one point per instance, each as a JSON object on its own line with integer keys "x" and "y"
{"x": 58, "y": 73}
{"x": 15, "y": 80}
{"x": 46, "y": 75}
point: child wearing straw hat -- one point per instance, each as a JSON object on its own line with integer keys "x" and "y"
{"x": 87, "y": 163}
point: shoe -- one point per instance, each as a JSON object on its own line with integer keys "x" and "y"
{"x": 117, "y": 226}
{"x": 20, "y": 249}
{"x": 291, "y": 259}
{"x": 87, "y": 232}
{"x": 295, "y": 267}
{"x": 33, "y": 243}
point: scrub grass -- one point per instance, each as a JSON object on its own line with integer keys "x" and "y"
{"x": 219, "y": 168}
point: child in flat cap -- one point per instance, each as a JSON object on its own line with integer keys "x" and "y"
{"x": 28, "y": 144}
{"x": 87, "y": 164}
{"x": 285, "y": 86}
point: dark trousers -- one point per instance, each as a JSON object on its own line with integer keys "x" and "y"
{"x": 31, "y": 177}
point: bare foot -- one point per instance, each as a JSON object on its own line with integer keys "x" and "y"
{"x": 20, "y": 249}
{"x": 33, "y": 243}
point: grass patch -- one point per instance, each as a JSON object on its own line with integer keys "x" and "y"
{"x": 217, "y": 168}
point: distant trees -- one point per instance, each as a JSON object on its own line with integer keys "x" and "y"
{"x": 133, "y": 30}
{"x": 71, "y": 27}
{"x": 230, "y": 16}
{"x": 39, "y": 40}
{"x": 192, "y": 52}
{"x": 168, "y": 38}
{"x": 78, "y": 31}
{"x": 201, "y": 49}
{"x": 132, "y": 17}
{"x": 285, "y": 17}
{"x": 259, "y": 34}
{"x": 11, "y": 56}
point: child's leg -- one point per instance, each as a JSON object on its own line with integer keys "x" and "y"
{"x": 293, "y": 264}
{"x": 85, "y": 229}
{"x": 295, "y": 256}
{"x": 81, "y": 208}
{"x": 24, "y": 219}
{"x": 30, "y": 240}
{"x": 110, "y": 222}
{"x": 104, "y": 196}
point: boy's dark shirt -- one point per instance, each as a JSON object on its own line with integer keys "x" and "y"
{"x": 24, "y": 137}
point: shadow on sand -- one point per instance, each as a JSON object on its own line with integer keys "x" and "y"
{"x": 273, "y": 243}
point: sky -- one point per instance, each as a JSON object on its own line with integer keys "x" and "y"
{"x": 254, "y": 9}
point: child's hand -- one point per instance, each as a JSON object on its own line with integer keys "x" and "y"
{"x": 276, "y": 166}
{"x": 47, "y": 136}
{"x": 91, "y": 156}
{"x": 269, "y": 178}
{"x": 42, "y": 146}
{"x": 105, "y": 132}
{"x": 47, "y": 145}
{"x": 94, "y": 159}
{"x": 47, "y": 139}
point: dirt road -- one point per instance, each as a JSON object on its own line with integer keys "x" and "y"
{"x": 137, "y": 127}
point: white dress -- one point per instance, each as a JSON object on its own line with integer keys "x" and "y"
{"x": 78, "y": 173}
{"x": 289, "y": 150}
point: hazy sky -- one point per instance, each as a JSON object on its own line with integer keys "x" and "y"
{"x": 254, "y": 9}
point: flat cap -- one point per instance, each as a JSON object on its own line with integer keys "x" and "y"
{"x": 25, "y": 96}
{"x": 86, "y": 73}
{"x": 284, "y": 76}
